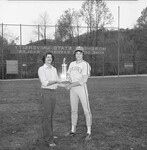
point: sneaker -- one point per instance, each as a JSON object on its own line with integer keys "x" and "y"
{"x": 55, "y": 137}
{"x": 52, "y": 144}
{"x": 70, "y": 134}
{"x": 88, "y": 137}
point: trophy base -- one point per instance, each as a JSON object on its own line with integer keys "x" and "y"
{"x": 65, "y": 81}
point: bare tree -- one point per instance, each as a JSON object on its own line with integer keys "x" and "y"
{"x": 96, "y": 13}
{"x": 88, "y": 13}
{"x": 77, "y": 17}
{"x": 41, "y": 28}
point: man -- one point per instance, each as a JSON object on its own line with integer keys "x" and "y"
{"x": 78, "y": 73}
{"x": 49, "y": 81}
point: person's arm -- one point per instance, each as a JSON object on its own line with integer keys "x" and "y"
{"x": 85, "y": 73}
{"x": 43, "y": 79}
{"x": 69, "y": 86}
{"x": 84, "y": 79}
{"x": 81, "y": 82}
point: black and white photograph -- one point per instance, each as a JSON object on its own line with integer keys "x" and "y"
{"x": 73, "y": 75}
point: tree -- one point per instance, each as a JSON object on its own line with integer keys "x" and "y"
{"x": 142, "y": 20}
{"x": 68, "y": 25}
{"x": 3, "y": 45}
{"x": 8, "y": 35}
{"x": 140, "y": 35}
{"x": 64, "y": 26}
{"x": 87, "y": 12}
{"x": 96, "y": 15}
{"x": 41, "y": 28}
{"x": 77, "y": 21}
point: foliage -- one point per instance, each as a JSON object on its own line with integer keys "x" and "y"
{"x": 68, "y": 25}
{"x": 41, "y": 28}
{"x": 142, "y": 20}
{"x": 96, "y": 14}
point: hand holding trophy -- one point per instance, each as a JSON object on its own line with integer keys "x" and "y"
{"x": 64, "y": 79}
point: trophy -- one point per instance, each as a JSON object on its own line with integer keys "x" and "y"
{"x": 64, "y": 70}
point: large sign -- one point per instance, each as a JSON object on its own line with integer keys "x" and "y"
{"x": 12, "y": 66}
{"x": 24, "y": 49}
{"x": 128, "y": 65}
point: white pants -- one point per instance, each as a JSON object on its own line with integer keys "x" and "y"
{"x": 80, "y": 93}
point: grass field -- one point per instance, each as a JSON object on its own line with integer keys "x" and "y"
{"x": 118, "y": 105}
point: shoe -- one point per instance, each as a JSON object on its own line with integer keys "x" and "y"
{"x": 70, "y": 134}
{"x": 52, "y": 144}
{"x": 55, "y": 137}
{"x": 88, "y": 137}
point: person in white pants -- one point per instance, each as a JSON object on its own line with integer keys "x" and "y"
{"x": 78, "y": 74}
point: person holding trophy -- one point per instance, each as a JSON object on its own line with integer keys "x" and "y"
{"x": 78, "y": 74}
{"x": 49, "y": 82}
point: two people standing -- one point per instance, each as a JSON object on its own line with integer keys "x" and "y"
{"x": 78, "y": 74}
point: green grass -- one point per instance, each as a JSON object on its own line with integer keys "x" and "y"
{"x": 118, "y": 105}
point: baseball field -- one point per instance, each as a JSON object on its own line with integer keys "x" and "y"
{"x": 118, "y": 106}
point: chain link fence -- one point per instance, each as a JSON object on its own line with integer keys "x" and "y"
{"x": 110, "y": 51}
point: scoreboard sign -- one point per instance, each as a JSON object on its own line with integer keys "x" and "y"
{"x": 128, "y": 65}
{"x": 24, "y": 49}
{"x": 12, "y": 66}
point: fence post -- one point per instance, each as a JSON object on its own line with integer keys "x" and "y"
{"x": 20, "y": 45}
{"x": 2, "y": 53}
{"x": 38, "y": 33}
{"x": 118, "y": 42}
{"x": 103, "y": 64}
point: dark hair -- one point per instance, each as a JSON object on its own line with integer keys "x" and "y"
{"x": 74, "y": 55}
{"x": 45, "y": 55}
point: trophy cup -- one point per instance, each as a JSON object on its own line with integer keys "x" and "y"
{"x": 64, "y": 70}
